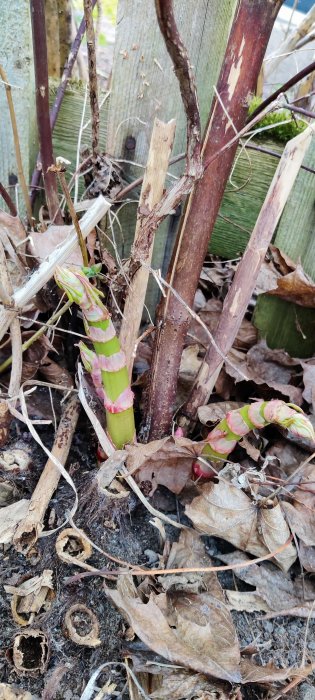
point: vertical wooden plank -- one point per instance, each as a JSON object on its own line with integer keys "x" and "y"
{"x": 144, "y": 87}
{"x": 295, "y": 235}
{"x": 282, "y": 323}
{"x": 143, "y": 81}
{"x": 17, "y": 60}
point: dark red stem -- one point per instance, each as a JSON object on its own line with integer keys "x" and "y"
{"x": 42, "y": 107}
{"x": 290, "y": 83}
{"x": 60, "y": 95}
{"x": 10, "y": 204}
{"x": 243, "y": 59}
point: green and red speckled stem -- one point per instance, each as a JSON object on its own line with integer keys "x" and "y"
{"x": 223, "y": 438}
{"x": 107, "y": 364}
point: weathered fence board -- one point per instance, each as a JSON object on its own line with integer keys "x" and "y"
{"x": 284, "y": 324}
{"x": 144, "y": 87}
{"x": 17, "y": 60}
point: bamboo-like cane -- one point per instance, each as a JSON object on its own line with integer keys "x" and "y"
{"x": 223, "y": 438}
{"x": 108, "y": 364}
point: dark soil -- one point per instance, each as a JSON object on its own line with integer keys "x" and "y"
{"x": 128, "y": 535}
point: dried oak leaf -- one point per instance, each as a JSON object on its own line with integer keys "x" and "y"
{"x": 280, "y": 594}
{"x": 192, "y": 629}
{"x": 165, "y": 462}
{"x": 222, "y": 510}
{"x": 296, "y": 287}
{"x": 263, "y": 366}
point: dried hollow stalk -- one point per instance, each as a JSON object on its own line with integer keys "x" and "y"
{"x": 29, "y": 529}
{"x": 151, "y": 193}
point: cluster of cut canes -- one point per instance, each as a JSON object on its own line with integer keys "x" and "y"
{"x": 107, "y": 366}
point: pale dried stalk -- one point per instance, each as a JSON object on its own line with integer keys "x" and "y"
{"x": 16, "y": 141}
{"x": 290, "y": 43}
{"x": 59, "y": 256}
{"x": 15, "y": 329}
{"x": 244, "y": 281}
{"x": 151, "y": 192}
{"x": 29, "y": 529}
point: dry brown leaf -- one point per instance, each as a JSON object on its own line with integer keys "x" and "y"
{"x": 10, "y": 516}
{"x": 8, "y": 692}
{"x": 296, "y": 287}
{"x": 274, "y": 588}
{"x": 282, "y": 261}
{"x": 167, "y": 462}
{"x": 8, "y": 493}
{"x": 309, "y": 382}
{"x": 210, "y": 315}
{"x": 265, "y": 367}
{"x": 45, "y": 243}
{"x": 215, "y": 412}
{"x": 182, "y": 685}
{"x": 13, "y": 226}
{"x": 300, "y": 512}
{"x": 191, "y": 629}
{"x": 5, "y": 420}
{"x": 55, "y": 374}
{"x": 263, "y": 674}
{"x": 222, "y": 510}
{"x": 190, "y": 363}
{"x": 307, "y": 557}
{"x": 246, "y": 601}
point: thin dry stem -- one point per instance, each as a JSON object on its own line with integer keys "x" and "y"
{"x": 61, "y": 175}
{"x": 27, "y": 344}
{"x": 15, "y": 329}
